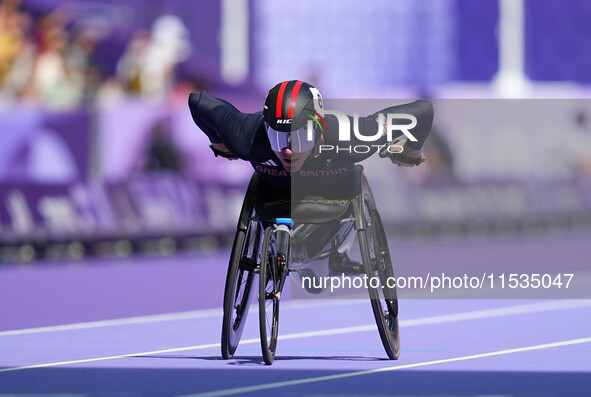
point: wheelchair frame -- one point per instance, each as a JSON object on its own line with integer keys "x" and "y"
{"x": 257, "y": 249}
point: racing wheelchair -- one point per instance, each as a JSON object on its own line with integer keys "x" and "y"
{"x": 274, "y": 233}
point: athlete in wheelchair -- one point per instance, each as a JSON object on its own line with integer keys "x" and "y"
{"x": 306, "y": 203}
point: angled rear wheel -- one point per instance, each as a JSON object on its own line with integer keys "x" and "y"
{"x": 239, "y": 286}
{"x": 377, "y": 263}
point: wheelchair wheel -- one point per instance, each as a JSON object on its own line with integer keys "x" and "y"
{"x": 239, "y": 286}
{"x": 268, "y": 298}
{"x": 378, "y": 266}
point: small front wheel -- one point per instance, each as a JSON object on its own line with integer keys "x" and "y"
{"x": 269, "y": 295}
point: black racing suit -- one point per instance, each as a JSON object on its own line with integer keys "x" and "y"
{"x": 244, "y": 134}
{"x": 326, "y": 175}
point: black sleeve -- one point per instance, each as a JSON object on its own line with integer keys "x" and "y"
{"x": 423, "y": 111}
{"x": 368, "y": 126}
{"x": 353, "y": 149}
{"x": 223, "y": 123}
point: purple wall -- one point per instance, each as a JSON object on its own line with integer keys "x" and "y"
{"x": 477, "y": 44}
{"x": 558, "y": 40}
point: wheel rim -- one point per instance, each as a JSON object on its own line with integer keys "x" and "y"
{"x": 269, "y": 298}
{"x": 243, "y": 285}
{"x": 383, "y": 263}
{"x": 381, "y": 267}
{"x": 384, "y": 299}
{"x": 241, "y": 299}
{"x": 271, "y": 307}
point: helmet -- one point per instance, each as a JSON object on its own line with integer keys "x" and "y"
{"x": 288, "y": 108}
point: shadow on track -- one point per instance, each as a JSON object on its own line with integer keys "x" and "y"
{"x": 240, "y": 360}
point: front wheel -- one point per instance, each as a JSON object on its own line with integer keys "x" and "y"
{"x": 269, "y": 296}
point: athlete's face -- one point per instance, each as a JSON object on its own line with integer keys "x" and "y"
{"x": 292, "y": 161}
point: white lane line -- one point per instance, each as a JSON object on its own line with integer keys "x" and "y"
{"x": 90, "y": 360}
{"x": 123, "y": 321}
{"x": 275, "y": 385}
{"x": 450, "y": 318}
{"x": 500, "y": 312}
{"x": 289, "y": 305}
{"x": 155, "y": 318}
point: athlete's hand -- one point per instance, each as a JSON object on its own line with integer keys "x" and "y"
{"x": 222, "y": 148}
{"x": 405, "y": 154}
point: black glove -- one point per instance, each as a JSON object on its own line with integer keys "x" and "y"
{"x": 222, "y": 154}
{"x": 385, "y": 153}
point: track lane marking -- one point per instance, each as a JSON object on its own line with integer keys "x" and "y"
{"x": 123, "y": 321}
{"x": 448, "y": 318}
{"x": 275, "y": 385}
{"x": 290, "y": 305}
{"x": 155, "y": 318}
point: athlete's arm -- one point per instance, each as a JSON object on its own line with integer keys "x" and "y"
{"x": 227, "y": 128}
{"x": 200, "y": 110}
{"x": 411, "y": 153}
{"x": 423, "y": 111}
{"x": 368, "y": 126}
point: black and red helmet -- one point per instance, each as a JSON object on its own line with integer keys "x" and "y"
{"x": 288, "y": 108}
{"x": 290, "y": 104}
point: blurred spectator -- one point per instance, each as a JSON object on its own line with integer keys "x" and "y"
{"x": 51, "y": 61}
{"x": 80, "y": 58}
{"x": 439, "y": 166}
{"x": 170, "y": 46}
{"x": 162, "y": 154}
{"x": 11, "y": 35}
{"x": 147, "y": 68}
{"x": 53, "y": 81}
{"x": 16, "y": 52}
{"x": 440, "y": 161}
{"x": 129, "y": 67}
{"x": 582, "y": 144}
